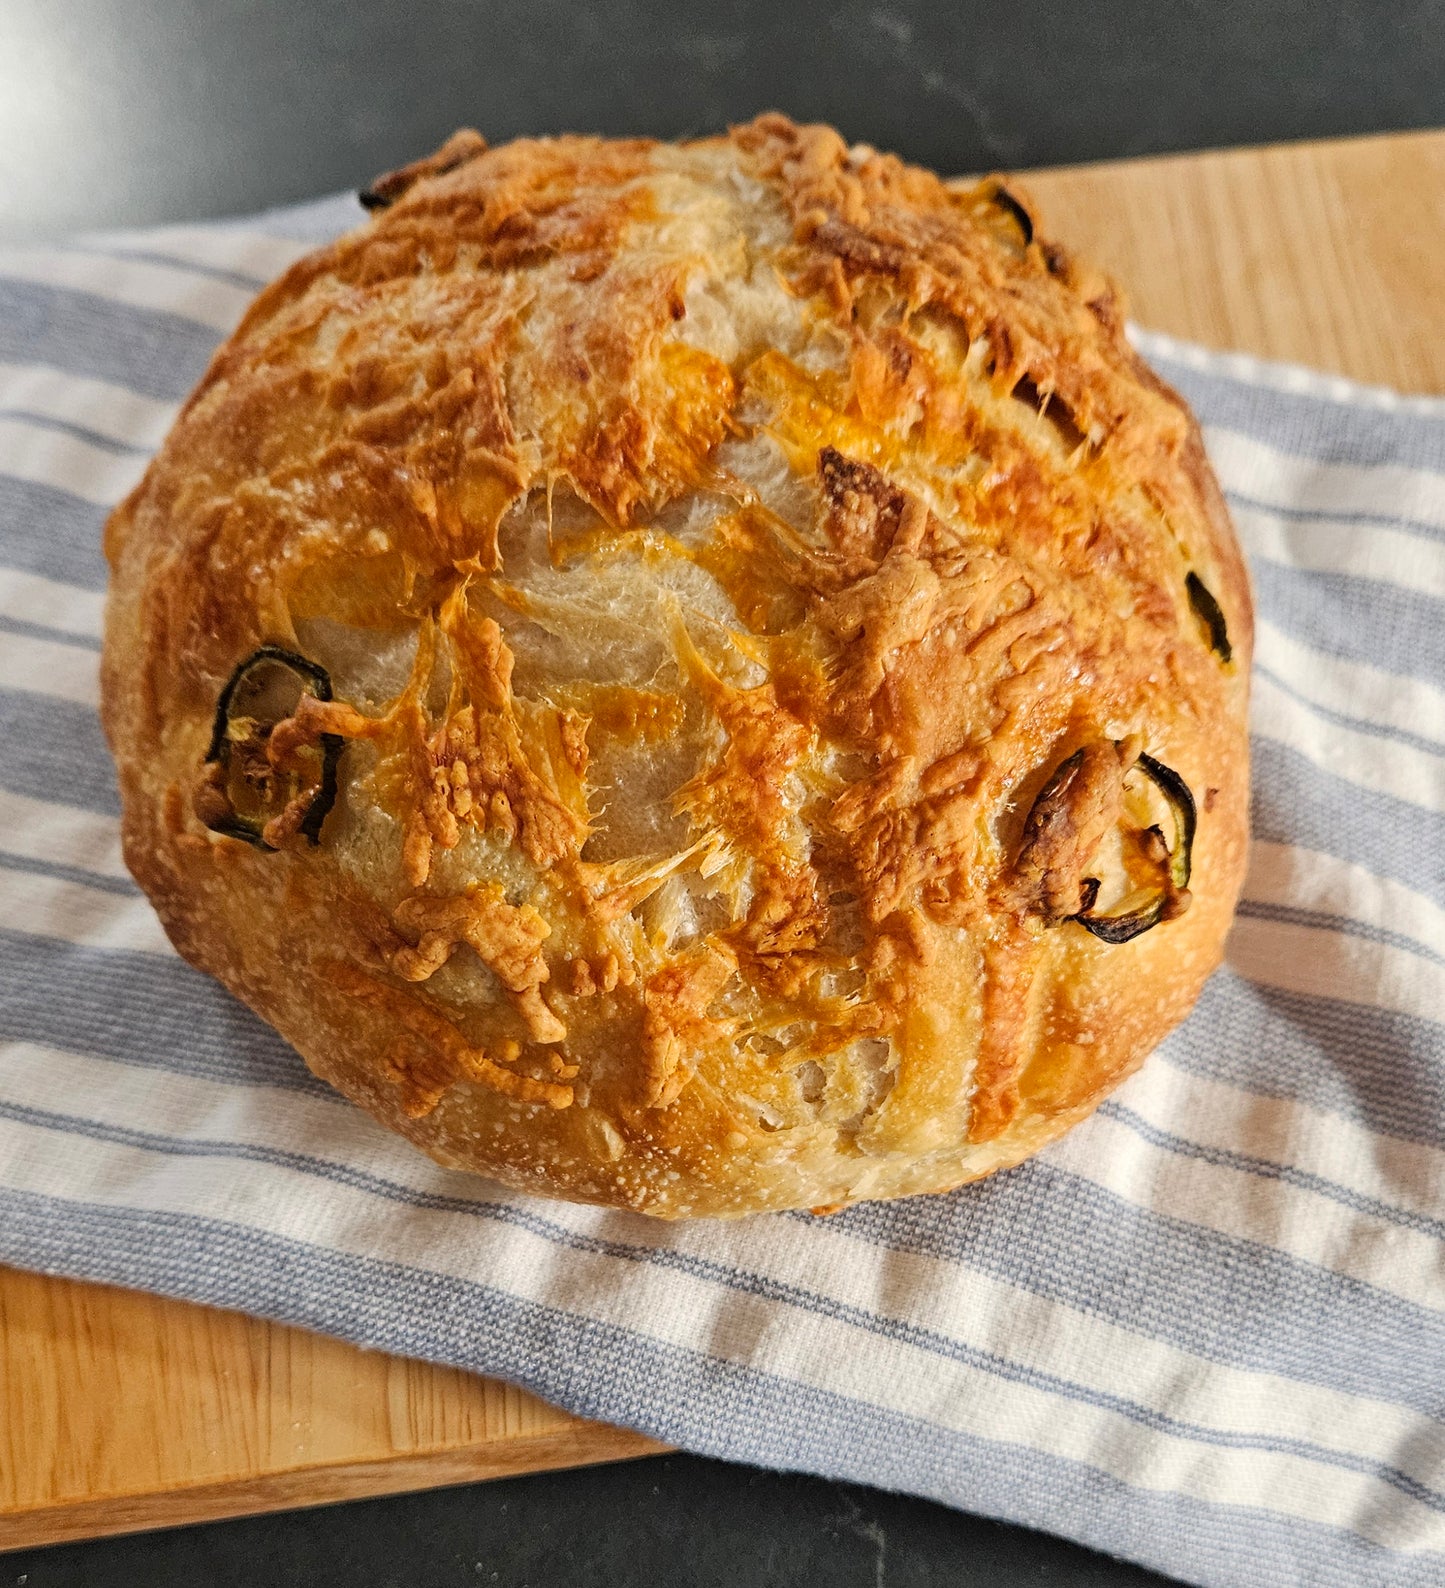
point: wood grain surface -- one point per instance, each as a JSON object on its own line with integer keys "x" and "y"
{"x": 122, "y": 1411}
{"x": 1325, "y": 254}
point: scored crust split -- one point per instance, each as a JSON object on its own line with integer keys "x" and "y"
{"x": 701, "y": 678}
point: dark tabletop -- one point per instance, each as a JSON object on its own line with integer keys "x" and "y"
{"x": 126, "y": 111}
{"x": 117, "y": 112}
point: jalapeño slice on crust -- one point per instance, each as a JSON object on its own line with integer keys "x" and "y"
{"x": 1171, "y": 899}
{"x": 1207, "y": 610}
{"x": 245, "y": 790}
{"x": 1011, "y": 206}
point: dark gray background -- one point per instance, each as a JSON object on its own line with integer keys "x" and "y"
{"x": 122, "y": 111}
{"x": 116, "y": 112}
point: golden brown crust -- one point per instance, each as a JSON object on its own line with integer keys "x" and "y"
{"x": 749, "y": 577}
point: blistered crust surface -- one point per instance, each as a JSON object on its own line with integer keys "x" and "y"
{"x": 750, "y": 577}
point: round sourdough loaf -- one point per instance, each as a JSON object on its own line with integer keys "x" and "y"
{"x": 702, "y": 678}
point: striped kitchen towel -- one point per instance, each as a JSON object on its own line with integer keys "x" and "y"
{"x": 1205, "y": 1331}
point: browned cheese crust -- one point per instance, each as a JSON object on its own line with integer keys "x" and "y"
{"x": 753, "y": 579}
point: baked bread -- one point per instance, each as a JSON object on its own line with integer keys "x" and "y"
{"x": 701, "y": 678}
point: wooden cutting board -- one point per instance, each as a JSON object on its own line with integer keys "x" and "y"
{"x": 121, "y": 1411}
